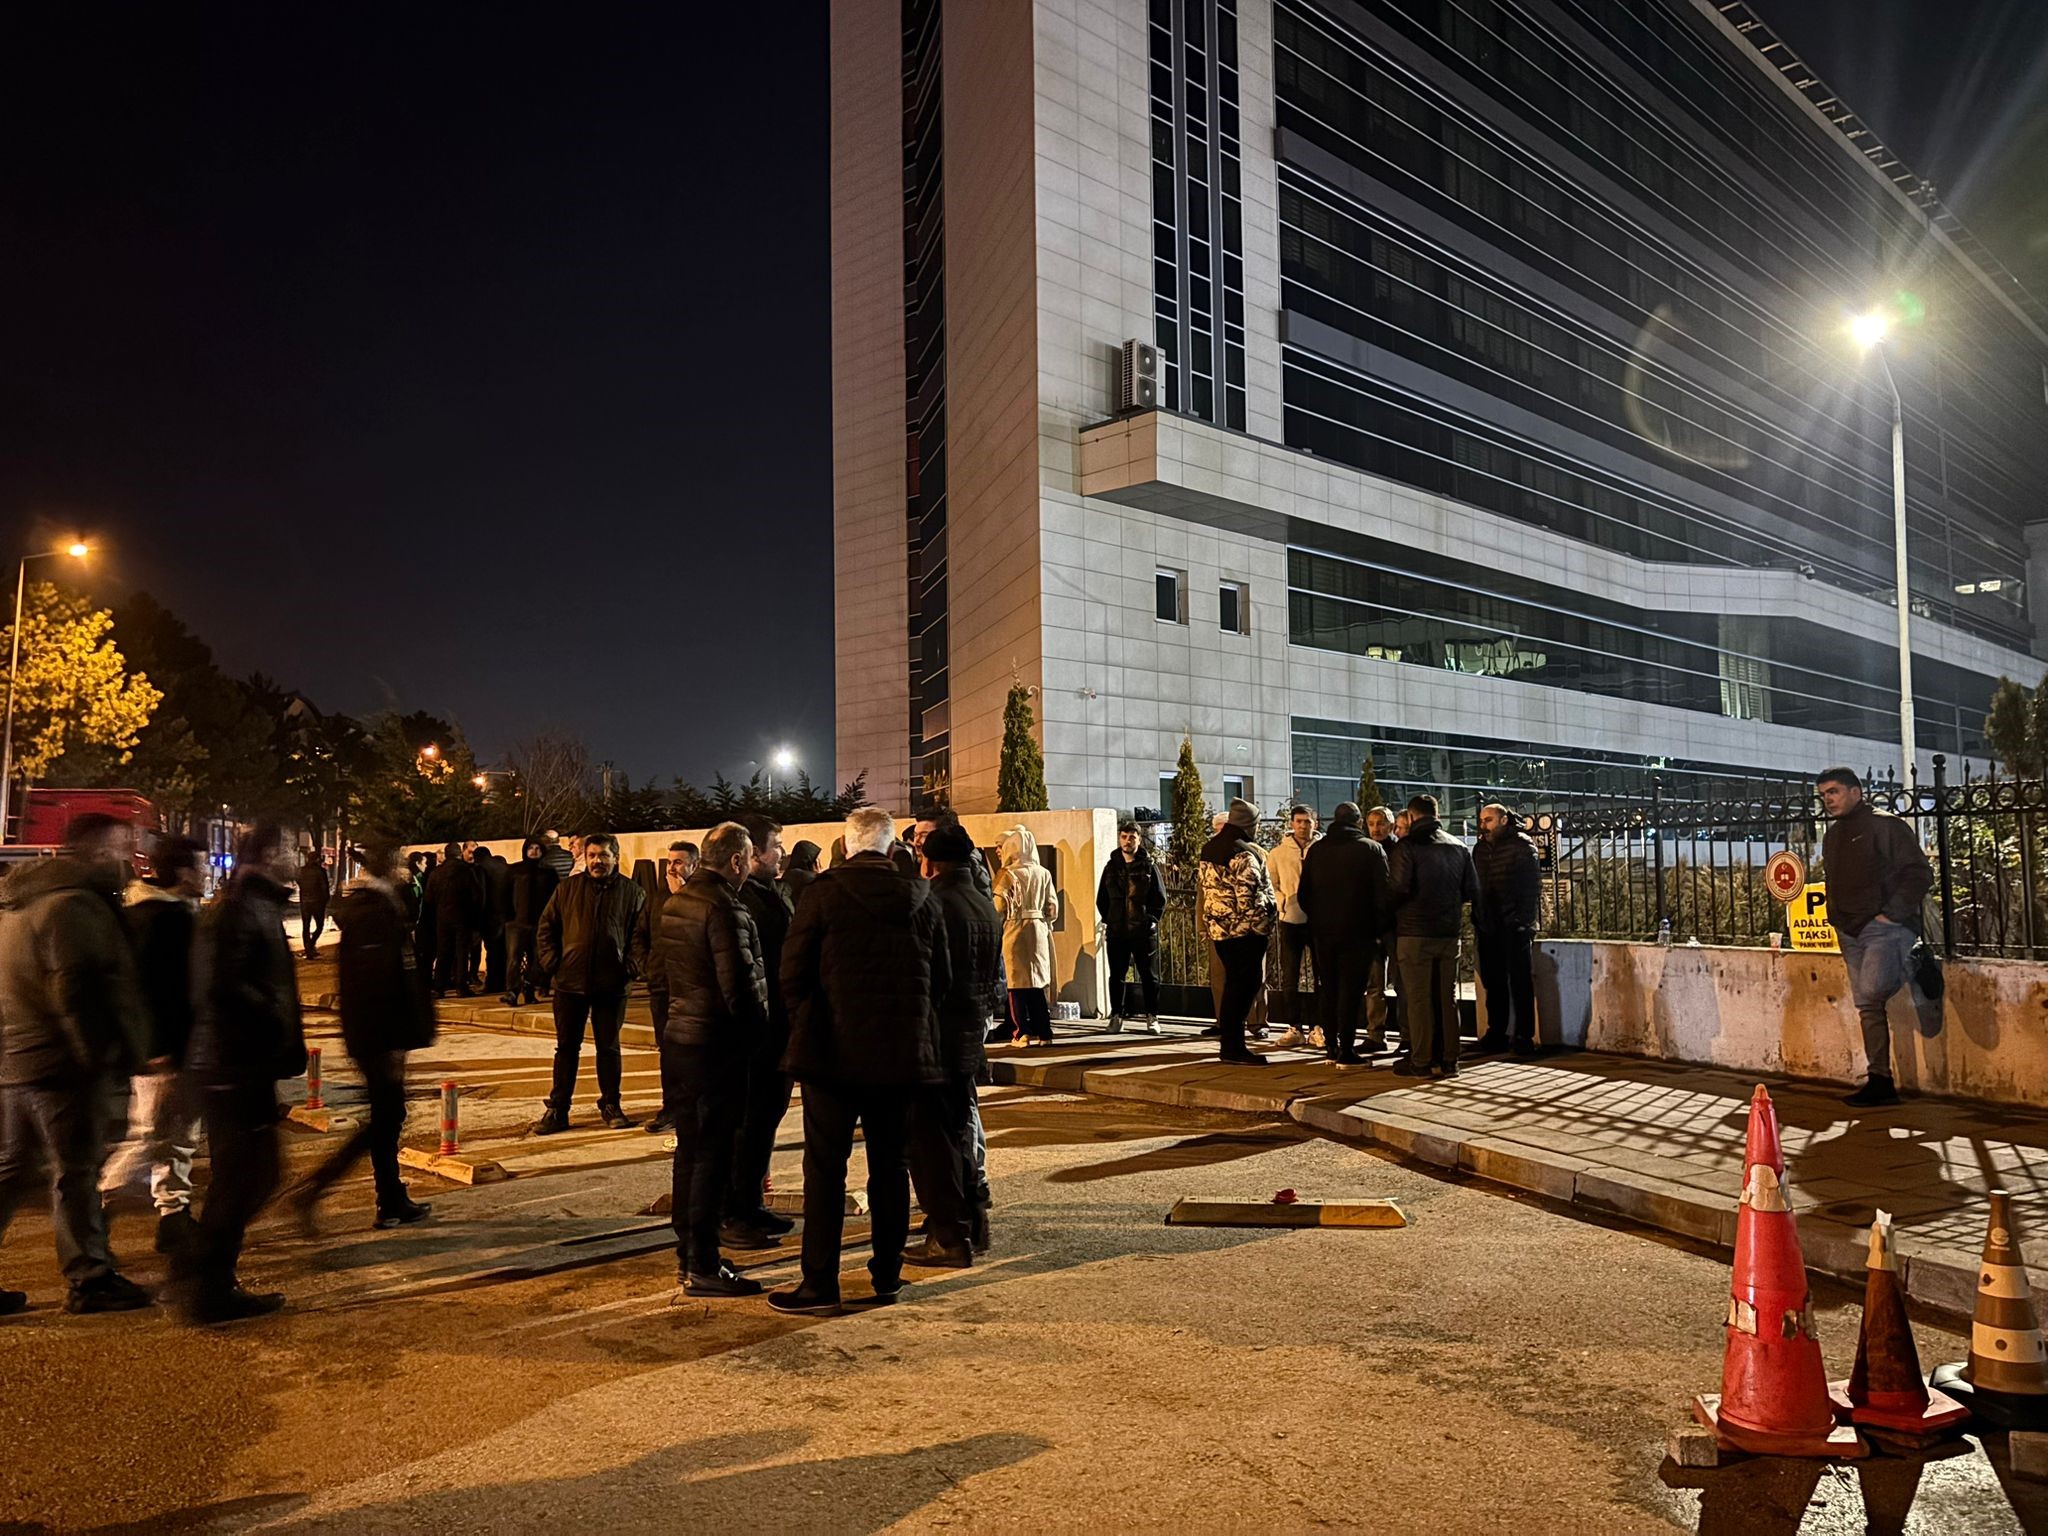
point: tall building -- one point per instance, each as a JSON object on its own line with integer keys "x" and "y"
{"x": 1509, "y": 429}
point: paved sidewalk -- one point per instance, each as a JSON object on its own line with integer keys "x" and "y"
{"x": 1656, "y": 1142}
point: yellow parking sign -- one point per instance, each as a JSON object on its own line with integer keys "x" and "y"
{"x": 1808, "y": 914}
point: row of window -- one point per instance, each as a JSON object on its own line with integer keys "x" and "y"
{"x": 1170, "y": 601}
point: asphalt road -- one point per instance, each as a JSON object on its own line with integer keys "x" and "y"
{"x": 1496, "y": 1365}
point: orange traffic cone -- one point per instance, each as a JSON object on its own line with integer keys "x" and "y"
{"x": 1885, "y": 1394}
{"x": 2005, "y": 1380}
{"x": 1774, "y": 1390}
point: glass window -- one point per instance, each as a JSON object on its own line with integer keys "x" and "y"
{"x": 1234, "y": 608}
{"x": 1169, "y": 590}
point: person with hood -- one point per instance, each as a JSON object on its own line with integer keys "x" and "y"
{"x": 798, "y": 871}
{"x": 527, "y": 888}
{"x": 1030, "y": 904}
{"x": 455, "y": 897}
{"x": 72, "y": 1033}
{"x": 678, "y": 864}
{"x": 246, "y": 1039}
{"x": 592, "y": 944}
{"x": 1343, "y": 894}
{"x": 1504, "y": 922}
{"x": 1239, "y": 909}
{"x": 385, "y": 1012}
{"x": 315, "y": 887}
{"x": 748, "y": 1221}
{"x": 864, "y": 968}
{"x": 1129, "y": 899}
{"x": 1432, "y": 879}
{"x": 163, "y": 1118}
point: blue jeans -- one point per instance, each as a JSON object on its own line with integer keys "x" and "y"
{"x": 1879, "y": 961}
{"x": 61, "y": 1131}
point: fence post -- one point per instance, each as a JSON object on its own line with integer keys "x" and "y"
{"x": 1657, "y": 844}
{"x": 1948, "y": 901}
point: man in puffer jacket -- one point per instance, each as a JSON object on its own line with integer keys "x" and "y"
{"x": 1433, "y": 883}
{"x": 1239, "y": 909}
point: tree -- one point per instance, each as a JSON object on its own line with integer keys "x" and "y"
{"x": 417, "y": 782}
{"x": 1020, "y": 777}
{"x": 2009, "y": 730}
{"x": 551, "y": 779}
{"x": 1368, "y": 787}
{"x": 1190, "y": 808}
{"x": 73, "y": 688}
{"x": 2037, "y": 725}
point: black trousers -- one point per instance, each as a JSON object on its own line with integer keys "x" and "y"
{"x": 1343, "y": 967}
{"x": 709, "y": 1086}
{"x": 1125, "y": 951}
{"x": 521, "y": 968}
{"x": 451, "y": 959}
{"x": 1244, "y": 972}
{"x": 312, "y": 923}
{"x": 1510, "y": 982}
{"x": 1031, "y": 1012}
{"x": 1291, "y": 944}
{"x": 831, "y": 1110}
{"x": 605, "y": 1013}
{"x": 942, "y": 1156}
{"x": 241, "y": 1133}
{"x": 765, "y": 1102}
{"x": 378, "y": 1136}
{"x": 63, "y": 1130}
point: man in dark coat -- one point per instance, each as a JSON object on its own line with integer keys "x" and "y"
{"x": 455, "y": 898}
{"x": 1504, "y": 922}
{"x": 863, "y": 969}
{"x": 1379, "y": 826}
{"x": 494, "y": 896}
{"x": 1129, "y": 899}
{"x": 678, "y": 865}
{"x": 247, "y": 1038}
{"x": 72, "y": 1033}
{"x": 385, "y": 1012}
{"x": 528, "y": 885}
{"x": 315, "y": 887}
{"x": 718, "y": 1009}
{"x": 591, "y": 944}
{"x": 798, "y": 871}
{"x": 1344, "y": 894}
{"x": 942, "y": 1131}
{"x": 1432, "y": 880}
{"x": 749, "y": 1222}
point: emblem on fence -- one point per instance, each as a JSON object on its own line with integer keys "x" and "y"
{"x": 1785, "y": 874}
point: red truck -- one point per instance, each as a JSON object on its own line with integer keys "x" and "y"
{"x": 45, "y": 813}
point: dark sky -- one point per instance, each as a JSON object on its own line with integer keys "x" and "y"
{"x": 474, "y": 358}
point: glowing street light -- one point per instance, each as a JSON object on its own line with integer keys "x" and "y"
{"x": 77, "y": 549}
{"x": 1870, "y": 329}
{"x": 430, "y": 751}
{"x": 785, "y": 759}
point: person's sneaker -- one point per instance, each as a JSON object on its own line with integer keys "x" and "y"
{"x": 615, "y": 1118}
{"x": 404, "y": 1214}
{"x": 761, "y": 1219}
{"x": 1242, "y": 1059}
{"x": 1256, "y": 1032}
{"x": 12, "y": 1302}
{"x": 1489, "y": 1044}
{"x": 745, "y": 1235}
{"x": 1375, "y": 1044}
{"x": 726, "y": 1282}
{"x": 1213, "y": 1032}
{"x": 933, "y": 1254}
{"x": 1875, "y": 1094}
{"x": 232, "y": 1306}
{"x": 1149, "y": 1024}
{"x": 664, "y": 1120}
{"x": 1291, "y": 1036}
{"x": 1410, "y": 1069}
{"x": 510, "y": 999}
{"x": 977, "y": 1230}
{"x": 174, "y": 1230}
{"x": 805, "y": 1303}
{"x": 109, "y": 1293}
{"x": 1446, "y": 1069}
{"x": 1115, "y": 1026}
{"x": 551, "y": 1121}
{"x": 882, "y": 1296}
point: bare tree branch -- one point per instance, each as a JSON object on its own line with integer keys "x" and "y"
{"x": 554, "y": 778}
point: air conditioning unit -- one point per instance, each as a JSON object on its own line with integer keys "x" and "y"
{"x": 1137, "y": 377}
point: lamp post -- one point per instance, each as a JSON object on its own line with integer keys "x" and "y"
{"x": 77, "y": 551}
{"x": 1869, "y": 331}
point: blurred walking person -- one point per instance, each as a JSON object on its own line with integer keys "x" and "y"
{"x": 1433, "y": 882}
{"x": 678, "y": 864}
{"x": 455, "y": 897}
{"x": 1129, "y": 899}
{"x": 72, "y": 1034}
{"x": 1343, "y": 894}
{"x": 162, "y": 916}
{"x": 246, "y": 1038}
{"x": 315, "y": 888}
{"x": 1292, "y": 936}
{"x": 1030, "y": 904}
{"x": 592, "y": 945}
{"x": 385, "y": 1012}
{"x": 748, "y": 1221}
{"x": 528, "y": 885}
{"x": 1504, "y": 922}
{"x": 1239, "y": 909}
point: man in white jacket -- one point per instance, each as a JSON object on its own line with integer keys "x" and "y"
{"x": 1291, "y": 934}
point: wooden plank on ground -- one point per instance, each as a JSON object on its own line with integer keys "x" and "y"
{"x": 1200, "y": 1211}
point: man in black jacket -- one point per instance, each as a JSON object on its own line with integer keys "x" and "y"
{"x": 1379, "y": 826}
{"x": 528, "y": 887}
{"x": 315, "y": 887}
{"x": 862, "y": 971}
{"x": 246, "y": 1038}
{"x": 455, "y": 897}
{"x": 1344, "y": 894}
{"x": 1877, "y": 877}
{"x": 1433, "y": 883}
{"x": 494, "y": 896}
{"x": 1129, "y": 898}
{"x": 717, "y": 1012}
{"x": 678, "y": 864}
{"x": 1504, "y": 922}
{"x": 73, "y": 1033}
{"x": 942, "y": 1132}
{"x": 748, "y": 1221}
{"x": 591, "y": 944}
{"x": 385, "y": 1012}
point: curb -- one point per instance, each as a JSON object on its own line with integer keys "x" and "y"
{"x": 493, "y": 1016}
{"x": 456, "y": 1170}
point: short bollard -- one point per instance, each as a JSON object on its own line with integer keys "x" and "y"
{"x": 450, "y": 1132}
{"x": 313, "y": 1099}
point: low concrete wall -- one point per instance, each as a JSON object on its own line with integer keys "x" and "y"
{"x": 1764, "y": 1010}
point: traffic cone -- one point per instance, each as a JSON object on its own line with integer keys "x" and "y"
{"x": 1774, "y": 1390}
{"x": 2005, "y": 1380}
{"x": 1885, "y": 1393}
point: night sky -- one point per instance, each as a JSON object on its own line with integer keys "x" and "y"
{"x": 475, "y": 358}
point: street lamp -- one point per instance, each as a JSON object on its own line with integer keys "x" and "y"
{"x": 1869, "y": 331}
{"x": 785, "y": 759}
{"x": 77, "y": 549}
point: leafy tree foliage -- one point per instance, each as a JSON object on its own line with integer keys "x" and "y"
{"x": 1190, "y": 808}
{"x": 1020, "y": 775}
{"x": 74, "y": 687}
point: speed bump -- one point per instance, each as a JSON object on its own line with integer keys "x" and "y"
{"x": 1200, "y": 1211}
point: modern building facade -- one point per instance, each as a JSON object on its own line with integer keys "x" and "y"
{"x": 1509, "y": 430}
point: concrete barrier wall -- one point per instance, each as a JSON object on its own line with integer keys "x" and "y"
{"x": 1078, "y": 842}
{"x": 1762, "y": 1010}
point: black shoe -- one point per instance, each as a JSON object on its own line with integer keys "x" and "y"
{"x": 615, "y": 1118}
{"x": 1242, "y": 1059}
{"x": 1524, "y": 1048}
{"x": 726, "y": 1282}
{"x": 1875, "y": 1094}
{"x": 109, "y": 1293}
{"x": 510, "y": 1000}
{"x": 12, "y": 1302}
{"x": 806, "y": 1303}
{"x": 746, "y": 1236}
{"x": 1446, "y": 1069}
{"x": 1346, "y": 1058}
{"x": 1410, "y": 1069}
{"x": 1490, "y": 1044}
{"x": 662, "y": 1121}
{"x": 403, "y": 1214}
{"x": 174, "y": 1230}
{"x": 977, "y": 1231}
{"x": 761, "y": 1219}
{"x": 232, "y": 1306}
{"x": 933, "y": 1254}
{"x": 1213, "y": 1032}
{"x": 550, "y": 1121}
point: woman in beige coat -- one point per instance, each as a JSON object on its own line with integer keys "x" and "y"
{"x": 1030, "y": 904}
